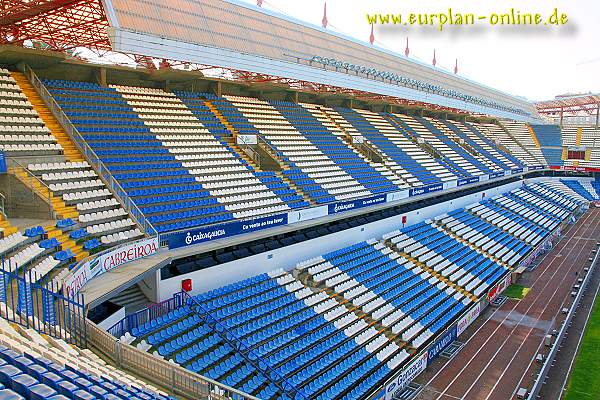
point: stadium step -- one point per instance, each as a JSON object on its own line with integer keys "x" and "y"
{"x": 432, "y": 272}
{"x": 231, "y": 142}
{"x": 66, "y": 242}
{"x": 469, "y": 244}
{"x": 298, "y": 190}
{"x": 61, "y": 210}
{"x": 533, "y": 136}
{"x": 7, "y": 228}
{"x": 71, "y": 153}
{"x": 133, "y": 299}
{"x": 578, "y": 136}
{"x": 515, "y": 141}
{"x": 221, "y": 118}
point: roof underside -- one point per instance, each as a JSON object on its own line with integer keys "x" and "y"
{"x": 59, "y": 24}
{"x": 587, "y": 103}
{"x": 68, "y": 24}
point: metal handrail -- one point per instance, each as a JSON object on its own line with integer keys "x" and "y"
{"x": 13, "y": 164}
{"x": 246, "y": 147}
{"x": 157, "y": 370}
{"x": 268, "y": 145}
{"x": 253, "y": 358}
{"x": 2, "y": 203}
{"x": 95, "y": 162}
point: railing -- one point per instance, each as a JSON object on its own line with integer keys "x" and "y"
{"x": 155, "y": 370}
{"x": 101, "y": 169}
{"x": 268, "y": 147}
{"x": 537, "y": 385}
{"x": 13, "y": 166}
{"x": 139, "y": 318}
{"x": 247, "y": 148}
{"x": 2, "y": 204}
{"x": 247, "y": 353}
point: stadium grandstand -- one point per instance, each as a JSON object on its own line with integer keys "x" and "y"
{"x": 323, "y": 219}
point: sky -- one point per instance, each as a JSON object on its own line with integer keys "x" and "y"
{"x": 537, "y": 63}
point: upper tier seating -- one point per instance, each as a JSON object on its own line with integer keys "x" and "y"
{"x": 521, "y": 132}
{"x": 460, "y": 162}
{"x": 177, "y": 172}
{"x": 547, "y": 135}
{"x": 589, "y": 136}
{"x": 405, "y": 157}
{"x": 321, "y": 173}
{"x": 22, "y": 132}
{"x": 583, "y": 136}
{"x": 35, "y": 367}
{"x": 344, "y": 131}
{"x": 498, "y": 135}
{"x": 469, "y": 133}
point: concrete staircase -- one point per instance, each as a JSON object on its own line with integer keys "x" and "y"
{"x": 533, "y": 137}
{"x": 7, "y": 228}
{"x": 71, "y": 152}
{"x": 221, "y": 118}
{"x": 61, "y": 210}
{"x": 66, "y": 242}
{"x": 132, "y": 298}
{"x": 578, "y": 136}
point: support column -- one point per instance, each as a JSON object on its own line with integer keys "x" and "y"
{"x": 101, "y": 76}
{"x": 561, "y": 118}
{"x": 217, "y": 88}
{"x": 597, "y": 114}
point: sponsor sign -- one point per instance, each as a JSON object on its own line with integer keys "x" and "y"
{"x": 351, "y": 205}
{"x": 499, "y": 288}
{"x": 406, "y": 376}
{"x": 449, "y": 185}
{"x": 468, "y": 181}
{"x": 246, "y": 139}
{"x": 434, "y": 351}
{"x": 213, "y": 232}
{"x": 467, "y": 319}
{"x": 307, "y": 214}
{"x": 395, "y": 196}
{"x": 425, "y": 189}
{"x": 495, "y": 175}
{"x": 483, "y": 178}
{"x": 104, "y": 262}
{"x": 517, "y": 170}
{"x": 578, "y": 169}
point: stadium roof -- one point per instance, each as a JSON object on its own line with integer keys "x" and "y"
{"x": 255, "y": 44}
{"x": 587, "y": 103}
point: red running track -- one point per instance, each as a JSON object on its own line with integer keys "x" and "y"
{"x": 499, "y": 356}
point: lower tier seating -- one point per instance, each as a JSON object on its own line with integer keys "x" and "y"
{"x": 35, "y": 367}
{"x": 340, "y": 324}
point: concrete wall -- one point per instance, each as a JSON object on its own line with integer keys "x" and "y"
{"x": 21, "y": 202}
{"x": 289, "y": 256}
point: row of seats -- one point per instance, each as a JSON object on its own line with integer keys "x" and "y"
{"x": 310, "y": 340}
{"x": 415, "y": 282}
{"x": 22, "y": 132}
{"x": 35, "y": 367}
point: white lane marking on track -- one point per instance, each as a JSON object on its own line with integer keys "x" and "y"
{"x": 547, "y": 269}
